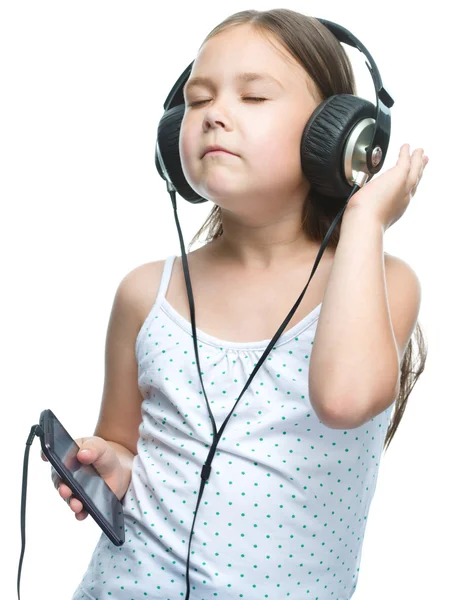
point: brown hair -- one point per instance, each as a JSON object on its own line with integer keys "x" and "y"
{"x": 324, "y": 59}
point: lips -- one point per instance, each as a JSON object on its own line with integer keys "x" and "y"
{"x": 215, "y": 148}
{"x": 213, "y": 151}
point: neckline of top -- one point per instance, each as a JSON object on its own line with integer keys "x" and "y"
{"x": 202, "y": 336}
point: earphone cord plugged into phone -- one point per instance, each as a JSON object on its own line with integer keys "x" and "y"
{"x": 35, "y": 430}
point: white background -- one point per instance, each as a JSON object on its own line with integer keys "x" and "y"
{"x": 82, "y": 204}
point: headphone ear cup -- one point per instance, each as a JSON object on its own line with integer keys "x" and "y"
{"x": 324, "y": 139}
{"x": 168, "y": 137}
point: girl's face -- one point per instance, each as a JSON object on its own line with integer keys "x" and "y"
{"x": 264, "y": 135}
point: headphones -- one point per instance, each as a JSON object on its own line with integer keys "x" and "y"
{"x": 345, "y": 137}
{"x": 343, "y": 145}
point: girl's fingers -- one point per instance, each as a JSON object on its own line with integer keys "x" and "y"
{"x": 417, "y": 166}
{"x": 404, "y": 158}
{"x": 67, "y": 495}
{"x": 64, "y": 491}
{"x": 75, "y": 504}
{"x": 420, "y": 171}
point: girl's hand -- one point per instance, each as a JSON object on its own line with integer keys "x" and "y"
{"x": 387, "y": 197}
{"x": 104, "y": 458}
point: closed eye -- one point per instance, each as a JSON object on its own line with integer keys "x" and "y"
{"x": 247, "y": 98}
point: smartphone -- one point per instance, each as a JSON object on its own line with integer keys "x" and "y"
{"x": 84, "y": 480}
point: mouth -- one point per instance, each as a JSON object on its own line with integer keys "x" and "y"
{"x": 214, "y": 152}
{"x": 216, "y": 149}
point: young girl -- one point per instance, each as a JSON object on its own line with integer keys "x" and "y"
{"x": 284, "y": 511}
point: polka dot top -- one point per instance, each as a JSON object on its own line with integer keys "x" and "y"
{"x": 284, "y": 511}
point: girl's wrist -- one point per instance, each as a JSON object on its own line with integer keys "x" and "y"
{"x": 362, "y": 215}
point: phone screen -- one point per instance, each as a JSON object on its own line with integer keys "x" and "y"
{"x": 86, "y": 477}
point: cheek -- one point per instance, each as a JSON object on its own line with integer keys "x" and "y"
{"x": 278, "y": 150}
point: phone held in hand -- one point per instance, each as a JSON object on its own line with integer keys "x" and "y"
{"x": 84, "y": 480}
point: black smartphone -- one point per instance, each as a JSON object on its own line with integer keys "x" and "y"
{"x": 84, "y": 480}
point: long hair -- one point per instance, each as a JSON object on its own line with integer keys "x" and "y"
{"x": 323, "y": 57}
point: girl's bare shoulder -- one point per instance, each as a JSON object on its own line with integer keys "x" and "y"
{"x": 143, "y": 283}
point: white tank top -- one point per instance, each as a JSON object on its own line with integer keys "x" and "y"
{"x": 284, "y": 511}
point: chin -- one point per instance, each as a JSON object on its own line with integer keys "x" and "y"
{"x": 218, "y": 186}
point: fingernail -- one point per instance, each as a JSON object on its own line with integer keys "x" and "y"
{"x": 84, "y": 452}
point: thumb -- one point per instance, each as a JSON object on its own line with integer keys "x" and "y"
{"x": 95, "y": 450}
{"x": 90, "y": 448}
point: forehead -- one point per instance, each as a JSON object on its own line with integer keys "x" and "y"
{"x": 241, "y": 50}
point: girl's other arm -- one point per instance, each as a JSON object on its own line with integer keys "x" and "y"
{"x": 120, "y": 411}
{"x": 369, "y": 311}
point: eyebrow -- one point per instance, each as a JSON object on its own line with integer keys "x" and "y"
{"x": 248, "y": 76}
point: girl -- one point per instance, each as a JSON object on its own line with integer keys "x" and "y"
{"x": 284, "y": 511}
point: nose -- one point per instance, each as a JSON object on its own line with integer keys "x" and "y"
{"x": 213, "y": 123}
{"x": 216, "y": 117}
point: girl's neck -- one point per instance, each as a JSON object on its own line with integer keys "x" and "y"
{"x": 260, "y": 257}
